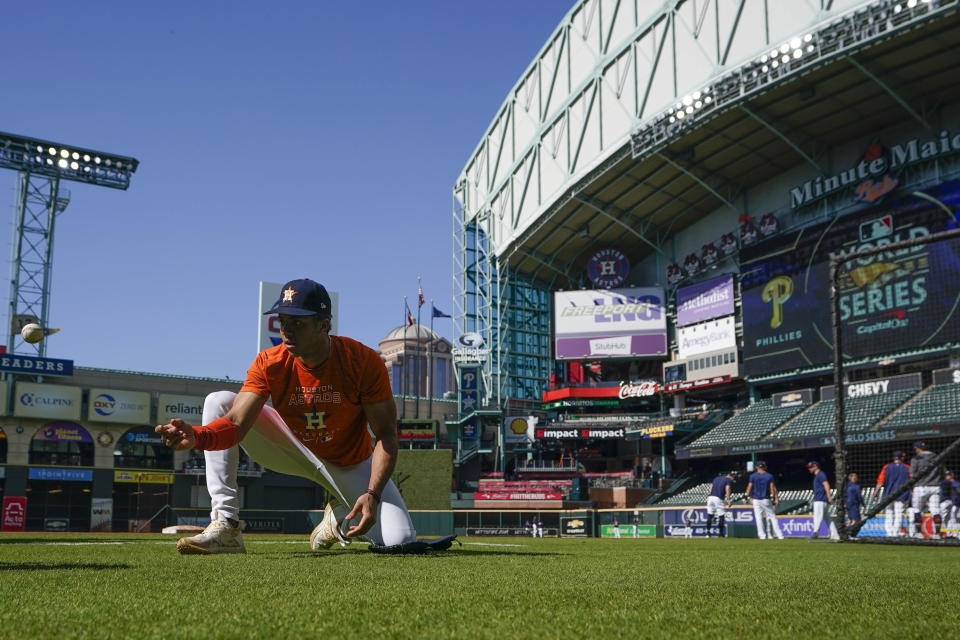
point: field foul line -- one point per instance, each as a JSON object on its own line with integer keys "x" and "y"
{"x": 494, "y": 544}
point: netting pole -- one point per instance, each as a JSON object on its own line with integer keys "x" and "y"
{"x": 839, "y": 454}
{"x": 839, "y": 415}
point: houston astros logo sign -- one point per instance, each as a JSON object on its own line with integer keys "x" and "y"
{"x": 608, "y": 268}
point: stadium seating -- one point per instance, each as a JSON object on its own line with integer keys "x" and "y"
{"x": 749, "y": 425}
{"x": 934, "y": 405}
{"x": 861, "y": 414}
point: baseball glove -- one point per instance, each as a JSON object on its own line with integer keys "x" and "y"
{"x": 416, "y": 547}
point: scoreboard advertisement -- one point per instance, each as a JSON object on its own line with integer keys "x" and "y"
{"x": 889, "y": 302}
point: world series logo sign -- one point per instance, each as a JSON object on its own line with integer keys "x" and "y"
{"x": 608, "y": 268}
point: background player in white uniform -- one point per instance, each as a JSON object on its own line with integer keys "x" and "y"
{"x": 821, "y": 498}
{"x": 718, "y": 501}
{"x": 927, "y": 490}
{"x": 762, "y": 491}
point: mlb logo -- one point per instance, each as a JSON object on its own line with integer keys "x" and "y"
{"x": 876, "y": 228}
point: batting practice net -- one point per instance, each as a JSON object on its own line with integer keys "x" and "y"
{"x": 895, "y": 297}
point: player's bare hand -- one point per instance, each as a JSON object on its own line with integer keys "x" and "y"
{"x": 177, "y": 435}
{"x": 366, "y": 508}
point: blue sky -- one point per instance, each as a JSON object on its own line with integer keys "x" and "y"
{"x": 276, "y": 141}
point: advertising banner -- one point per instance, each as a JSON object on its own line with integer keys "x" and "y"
{"x": 32, "y": 400}
{"x": 268, "y": 327}
{"x": 145, "y": 477}
{"x": 3, "y": 394}
{"x": 505, "y": 495}
{"x": 14, "y": 513}
{"x": 880, "y": 386}
{"x": 62, "y": 475}
{"x": 705, "y": 300}
{"x": 627, "y": 531}
{"x": 889, "y": 302}
{"x": 698, "y": 516}
{"x": 697, "y": 339}
{"x": 793, "y": 398}
{"x": 101, "y": 514}
{"x": 519, "y": 429}
{"x": 576, "y": 433}
{"x": 508, "y": 531}
{"x": 187, "y": 408}
{"x": 469, "y": 379}
{"x": 575, "y": 527}
{"x": 56, "y": 524}
{"x": 416, "y": 429}
{"x": 17, "y": 363}
{"x": 114, "y": 405}
{"x": 610, "y": 323}
{"x": 263, "y": 525}
{"x": 946, "y": 376}
{"x": 63, "y": 432}
{"x": 142, "y": 435}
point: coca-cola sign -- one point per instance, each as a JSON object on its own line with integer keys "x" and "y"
{"x": 638, "y": 389}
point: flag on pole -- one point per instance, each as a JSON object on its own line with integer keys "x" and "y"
{"x": 439, "y": 314}
{"x": 420, "y": 299}
{"x": 409, "y": 315}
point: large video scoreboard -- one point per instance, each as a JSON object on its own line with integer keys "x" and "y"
{"x": 889, "y": 302}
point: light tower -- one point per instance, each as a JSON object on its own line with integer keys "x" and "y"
{"x": 41, "y": 166}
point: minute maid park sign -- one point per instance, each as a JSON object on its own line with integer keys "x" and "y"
{"x": 899, "y": 156}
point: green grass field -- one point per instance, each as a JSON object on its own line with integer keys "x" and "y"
{"x": 130, "y": 586}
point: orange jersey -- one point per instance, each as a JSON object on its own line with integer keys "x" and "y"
{"x": 323, "y": 406}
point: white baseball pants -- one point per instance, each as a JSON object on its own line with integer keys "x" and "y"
{"x": 764, "y": 508}
{"x": 819, "y": 511}
{"x": 923, "y": 497}
{"x": 715, "y": 506}
{"x": 893, "y": 519}
{"x": 272, "y": 444}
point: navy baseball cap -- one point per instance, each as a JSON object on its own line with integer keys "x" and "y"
{"x": 761, "y": 463}
{"x": 812, "y": 464}
{"x": 897, "y": 455}
{"x": 303, "y": 297}
{"x": 948, "y": 473}
{"x": 919, "y": 444}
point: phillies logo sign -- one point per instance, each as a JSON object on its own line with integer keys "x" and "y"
{"x": 608, "y": 268}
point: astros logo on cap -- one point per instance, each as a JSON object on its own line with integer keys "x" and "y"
{"x": 288, "y": 294}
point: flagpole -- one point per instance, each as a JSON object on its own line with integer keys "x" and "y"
{"x": 403, "y": 362}
{"x": 417, "y": 334}
{"x": 430, "y": 365}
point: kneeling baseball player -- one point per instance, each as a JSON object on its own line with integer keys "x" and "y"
{"x": 325, "y": 390}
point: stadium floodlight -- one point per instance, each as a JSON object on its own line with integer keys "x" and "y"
{"x": 42, "y": 165}
{"x": 65, "y": 162}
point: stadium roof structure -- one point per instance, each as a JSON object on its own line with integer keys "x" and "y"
{"x": 786, "y": 103}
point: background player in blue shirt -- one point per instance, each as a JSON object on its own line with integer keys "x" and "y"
{"x": 895, "y": 475}
{"x": 718, "y": 501}
{"x": 854, "y": 499}
{"x": 762, "y": 491}
{"x": 821, "y": 498}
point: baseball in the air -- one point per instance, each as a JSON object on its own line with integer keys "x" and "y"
{"x": 32, "y": 333}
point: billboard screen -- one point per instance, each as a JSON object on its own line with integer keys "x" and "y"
{"x": 609, "y": 323}
{"x": 705, "y": 300}
{"x": 889, "y": 302}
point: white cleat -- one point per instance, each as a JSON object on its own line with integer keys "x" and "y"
{"x": 219, "y": 537}
{"x": 327, "y": 532}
